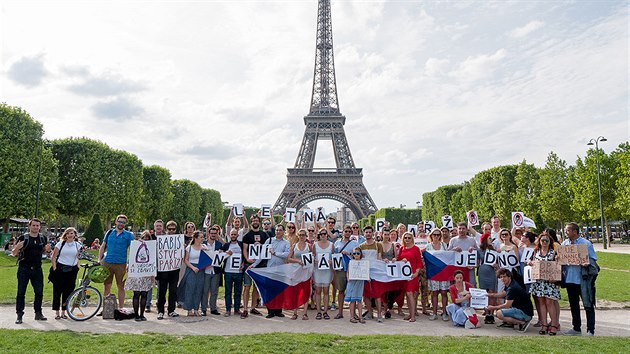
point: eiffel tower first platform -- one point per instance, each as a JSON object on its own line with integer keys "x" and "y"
{"x": 325, "y": 122}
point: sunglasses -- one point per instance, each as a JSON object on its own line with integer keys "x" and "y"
{"x": 505, "y": 234}
{"x": 355, "y": 227}
{"x": 356, "y": 253}
{"x": 171, "y": 229}
{"x": 545, "y": 241}
{"x": 266, "y": 223}
{"x": 407, "y": 238}
{"x": 121, "y": 222}
{"x": 331, "y": 222}
{"x": 291, "y": 227}
{"x": 322, "y": 234}
{"x": 311, "y": 230}
{"x": 347, "y": 230}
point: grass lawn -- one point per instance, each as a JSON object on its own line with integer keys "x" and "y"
{"x": 19, "y": 341}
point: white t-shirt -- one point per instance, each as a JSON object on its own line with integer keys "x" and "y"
{"x": 68, "y": 255}
{"x": 236, "y": 250}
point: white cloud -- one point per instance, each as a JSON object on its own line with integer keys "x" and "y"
{"x": 479, "y": 66}
{"x": 523, "y": 31}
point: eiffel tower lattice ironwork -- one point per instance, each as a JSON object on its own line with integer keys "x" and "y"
{"x": 325, "y": 122}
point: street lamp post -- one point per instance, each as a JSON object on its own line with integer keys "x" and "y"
{"x": 599, "y": 183}
{"x": 39, "y": 180}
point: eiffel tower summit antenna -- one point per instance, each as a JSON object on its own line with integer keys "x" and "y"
{"x": 325, "y": 122}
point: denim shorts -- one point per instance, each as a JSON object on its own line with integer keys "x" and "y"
{"x": 515, "y": 313}
{"x": 247, "y": 280}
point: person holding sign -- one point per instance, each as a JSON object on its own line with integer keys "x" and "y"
{"x": 189, "y": 229}
{"x": 322, "y": 274}
{"x": 390, "y": 250}
{"x": 344, "y": 247}
{"x": 291, "y": 234}
{"x": 460, "y": 298}
{"x": 302, "y": 247}
{"x": 234, "y": 222}
{"x": 446, "y": 234}
{"x": 487, "y": 270}
{"x": 193, "y": 280}
{"x": 354, "y": 291}
{"x": 140, "y": 287}
{"x": 546, "y": 293}
{"x": 507, "y": 245}
{"x": 517, "y": 308}
{"x": 435, "y": 286}
{"x": 580, "y": 282}
{"x": 167, "y": 279}
{"x": 255, "y": 236}
{"x": 409, "y": 253}
{"x": 371, "y": 250}
{"x": 213, "y": 274}
{"x": 233, "y": 273}
{"x": 463, "y": 242}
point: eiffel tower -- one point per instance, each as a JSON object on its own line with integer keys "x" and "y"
{"x": 325, "y": 122}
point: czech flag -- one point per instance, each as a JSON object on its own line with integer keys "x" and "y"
{"x": 440, "y": 265}
{"x": 380, "y": 282}
{"x": 205, "y": 259}
{"x": 287, "y": 286}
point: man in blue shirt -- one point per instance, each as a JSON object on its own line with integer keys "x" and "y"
{"x": 116, "y": 242}
{"x": 580, "y": 282}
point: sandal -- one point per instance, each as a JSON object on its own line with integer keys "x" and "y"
{"x": 426, "y": 313}
{"x": 339, "y": 316}
{"x": 304, "y": 317}
{"x": 412, "y": 320}
{"x": 543, "y": 329}
{"x": 319, "y": 316}
{"x": 64, "y": 317}
{"x": 57, "y": 317}
{"x": 353, "y": 320}
{"x": 361, "y": 320}
{"x": 554, "y": 332}
{"x": 407, "y": 318}
{"x": 326, "y": 317}
{"x": 294, "y": 317}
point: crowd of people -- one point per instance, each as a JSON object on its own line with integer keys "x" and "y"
{"x": 196, "y": 289}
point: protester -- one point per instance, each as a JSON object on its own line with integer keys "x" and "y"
{"x": 158, "y": 229}
{"x": 116, "y": 242}
{"x": 517, "y": 308}
{"x": 580, "y": 283}
{"x": 291, "y": 234}
{"x": 167, "y": 281}
{"x": 65, "y": 260}
{"x": 311, "y": 235}
{"x": 460, "y": 298}
{"x": 189, "y": 229}
{"x": 295, "y": 256}
{"x": 255, "y": 236}
{"x": 487, "y": 272}
{"x": 280, "y": 249}
{"x": 410, "y": 253}
{"x": 356, "y": 233}
{"x": 371, "y": 250}
{"x": 446, "y": 235}
{"x": 463, "y": 242}
{"x": 390, "y": 250}
{"x": 193, "y": 281}
{"x": 234, "y": 222}
{"x": 269, "y": 225}
{"x": 354, "y": 291}
{"x": 212, "y": 275}
{"x": 140, "y": 286}
{"x": 546, "y": 293}
{"x": 233, "y": 277}
{"x": 322, "y": 277}
{"x": 438, "y": 287}
{"x": 343, "y": 246}
{"x": 333, "y": 236}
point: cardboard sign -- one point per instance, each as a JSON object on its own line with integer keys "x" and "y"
{"x": 466, "y": 259}
{"x": 170, "y": 252}
{"x": 429, "y": 226}
{"x": 323, "y": 261}
{"x": 508, "y": 260}
{"x": 142, "y": 259}
{"x": 380, "y": 223}
{"x": 547, "y": 270}
{"x": 447, "y": 221}
{"x": 478, "y": 298}
{"x": 527, "y": 275}
{"x": 413, "y": 228}
{"x": 359, "y": 270}
{"x": 573, "y": 255}
{"x": 233, "y": 263}
{"x": 239, "y": 209}
{"x": 265, "y": 211}
{"x": 207, "y": 221}
{"x": 320, "y": 215}
{"x": 491, "y": 257}
{"x": 289, "y": 215}
{"x": 308, "y": 216}
{"x": 517, "y": 219}
{"x": 526, "y": 254}
{"x": 473, "y": 219}
{"x": 307, "y": 259}
{"x": 337, "y": 261}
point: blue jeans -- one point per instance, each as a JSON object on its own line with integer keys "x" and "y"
{"x": 210, "y": 286}
{"x": 516, "y": 314}
{"x": 233, "y": 280}
{"x": 36, "y": 277}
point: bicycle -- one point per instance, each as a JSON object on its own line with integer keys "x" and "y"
{"x": 85, "y": 301}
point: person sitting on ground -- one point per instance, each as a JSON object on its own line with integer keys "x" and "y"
{"x": 517, "y": 309}
{"x": 460, "y": 296}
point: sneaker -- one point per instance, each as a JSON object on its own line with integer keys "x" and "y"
{"x": 433, "y": 317}
{"x": 333, "y": 306}
{"x": 227, "y": 314}
{"x": 40, "y": 317}
{"x": 445, "y": 317}
{"x": 244, "y": 314}
{"x": 255, "y": 312}
{"x": 590, "y": 334}
{"x": 173, "y": 314}
{"x": 19, "y": 319}
{"x": 147, "y": 309}
{"x": 368, "y": 316}
{"x": 388, "y": 314}
{"x": 138, "y": 319}
{"x": 572, "y": 332}
{"x": 280, "y": 315}
{"x": 143, "y": 318}
{"x": 215, "y": 312}
{"x": 380, "y": 319}
{"x": 523, "y": 327}
{"x": 271, "y": 315}
{"x": 160, "y": 316}
{"x": 204, "y": 313}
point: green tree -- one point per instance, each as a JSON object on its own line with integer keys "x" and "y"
{"x": 555, "y": 194}
{"x": 461, "y": 203}
{"x": 622, "y": 199}
{"x": 158, "y": 194}
{"x": 21, "y": 147}
{"x": 211, "y": 203}
{"x": 186, "y": 201}
{"x": 527, "y": 194}
{"x": 95, "y": 230}
{"x": 122, "y": 180}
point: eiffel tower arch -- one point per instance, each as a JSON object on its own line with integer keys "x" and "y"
{"x": 325, "y": 122}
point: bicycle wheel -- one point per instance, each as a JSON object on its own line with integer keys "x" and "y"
{"x": 84, "y": 303}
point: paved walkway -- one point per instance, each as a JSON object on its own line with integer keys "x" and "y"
{"x": 609, "y": 323}
{"x": 612, "y": 248}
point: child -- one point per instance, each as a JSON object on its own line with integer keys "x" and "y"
{"x": 140, "y": 286}
{"x": 354, "y": 291}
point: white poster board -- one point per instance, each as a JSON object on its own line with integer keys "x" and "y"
{"x": 473, "y": 219}
{"x": 265, "y": 211}
{"x": 233, "y": 263}
{"x": 323, "y": 261}
{"x": 359, "y": 270}
{"x": 142, "y": 259}
{"x": 170, "y": 252}
{"x": 289, "y": 215}
{"x": 478, "y": 298}
{"x": 238, "y": 209}
{"x": 337, "y": 261}
{"x": 380, "y": 223}
{"x": 517, "y": 219}
{"x": 447, "y": 221}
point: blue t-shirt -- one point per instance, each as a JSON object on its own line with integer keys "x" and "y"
{"x": 117, "y": 246}
{"x": 339, "y": 245}
{"x": 573, "y": 273}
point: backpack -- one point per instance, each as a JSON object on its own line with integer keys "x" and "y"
{"x": 27, "y": 238}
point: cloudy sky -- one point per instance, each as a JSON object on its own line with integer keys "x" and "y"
{"x": 215, "y": 91}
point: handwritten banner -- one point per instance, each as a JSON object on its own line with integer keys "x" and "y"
{"x": 359, "y": 270}
{"x": 142, "y": 259}
{"x": 170, "y": 252}
{"x": 546, "y": 270}
{"x": 573, "y": 255}
{"x": 478, "y": 298}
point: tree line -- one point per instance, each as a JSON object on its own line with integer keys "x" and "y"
{"x": 551, "y": 195}
{"x": 80, "y": 177}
